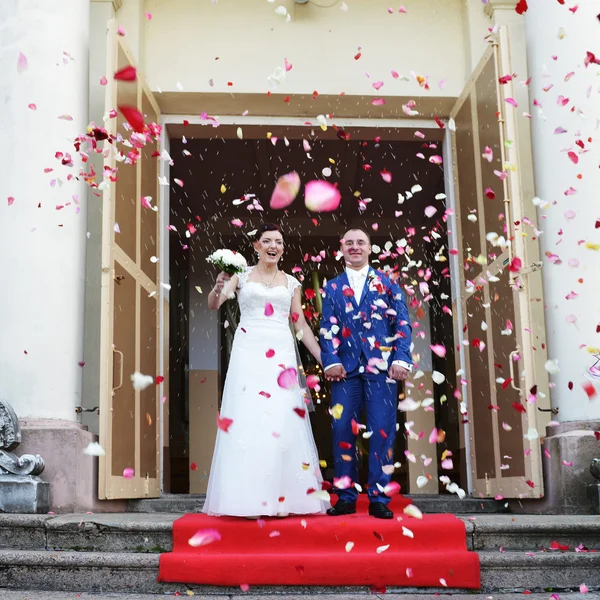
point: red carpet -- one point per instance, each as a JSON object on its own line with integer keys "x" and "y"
{"x": 286, "y": 552}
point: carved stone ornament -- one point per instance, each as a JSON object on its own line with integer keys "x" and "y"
{"x": 10, "y": 438}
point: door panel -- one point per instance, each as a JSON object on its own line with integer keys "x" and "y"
{"x": 481, "y": 394}
{"x": 505, "y": 459}
{"x": 148, "y": 397}
{"x": 129, "y": 417}
{"x": 467, "y": 183}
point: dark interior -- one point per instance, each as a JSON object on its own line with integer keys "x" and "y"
{"x": 252, "y": 167}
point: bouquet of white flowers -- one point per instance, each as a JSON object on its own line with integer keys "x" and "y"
{"x": 228, "y": 261}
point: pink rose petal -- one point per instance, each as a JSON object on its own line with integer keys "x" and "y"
{"x": 237, "y": 223}
{"x": 438, "y": 350}
{"x": 288, "y": 378}
{"x": 22, "y": 63}
{"x": 321, "y": 196}
{"x": 269, "y": 310}
{"x": 202, "y": 537}
{"x": 32, "y": 106}
{"x": 378, "y": 85}
{"x": 386, "y": 176}
{"x": 378, "y": 101}
{"x": 433, "y": 436}
{"x": 430, "y": 211}
{"x": 10, "y": 200}
{"x": 512, "y": 102}
{"x": 286, "y": 190}
{"x": 393, "y": 487}
{"x": 312, "y": 381}
{"x": 436, "y": 159}
{"x": 128, "y": 473}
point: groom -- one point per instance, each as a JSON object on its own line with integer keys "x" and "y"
{"x": 365, "y": 343}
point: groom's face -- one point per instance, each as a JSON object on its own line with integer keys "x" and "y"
{"x": 356, "y": 248}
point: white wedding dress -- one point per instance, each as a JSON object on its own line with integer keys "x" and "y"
{"x": 266, "y": 463}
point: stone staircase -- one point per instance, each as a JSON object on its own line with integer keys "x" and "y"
{"x": 428, "y": 503}
{"x": 119, "y": 554}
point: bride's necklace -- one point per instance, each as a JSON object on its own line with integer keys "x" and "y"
{"x": 270, "y": 284}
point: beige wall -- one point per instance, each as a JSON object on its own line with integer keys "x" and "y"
{"x": 183, "y": 39}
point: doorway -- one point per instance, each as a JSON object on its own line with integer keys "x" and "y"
{"x": 226, "y": 179}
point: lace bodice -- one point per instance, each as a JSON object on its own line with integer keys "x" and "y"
{"x": 258, "y": 302}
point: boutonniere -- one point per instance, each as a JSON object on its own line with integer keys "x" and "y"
{"x": 375, "y": 284}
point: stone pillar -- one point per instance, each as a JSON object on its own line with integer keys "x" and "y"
{"x": 565, "y": 104}
{"x": 44, "y": 98}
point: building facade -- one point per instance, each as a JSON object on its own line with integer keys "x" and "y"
{"x": 498, "y": 99}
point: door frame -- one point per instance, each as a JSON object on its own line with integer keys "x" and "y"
{"x": 266, "y": 122}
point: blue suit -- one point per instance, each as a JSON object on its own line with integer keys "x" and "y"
{"x": 365, "y": 338}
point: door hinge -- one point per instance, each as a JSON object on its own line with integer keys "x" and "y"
{"x": 80, "y": 409}
{"x": 534, "y": 266}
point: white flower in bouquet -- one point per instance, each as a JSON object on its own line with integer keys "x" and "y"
{"x": 228, "y": 261}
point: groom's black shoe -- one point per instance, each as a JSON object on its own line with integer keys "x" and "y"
{"x": 342, "y": 508}
{"x": 380, "y": 511}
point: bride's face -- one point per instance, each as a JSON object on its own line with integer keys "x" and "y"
{"x": 270, "y": 247}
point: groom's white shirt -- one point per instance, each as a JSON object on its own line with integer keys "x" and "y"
{"x": 357, "y": 283}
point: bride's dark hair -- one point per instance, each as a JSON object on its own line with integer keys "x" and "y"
{"x": 267, "y": 227}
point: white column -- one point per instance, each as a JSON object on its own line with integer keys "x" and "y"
{"x": 42, "y": 246}
{"x": 557, "y": 42}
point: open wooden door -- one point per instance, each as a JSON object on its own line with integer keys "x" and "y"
{"x": 501, "y": 290}
{"x": 129, "y": 417}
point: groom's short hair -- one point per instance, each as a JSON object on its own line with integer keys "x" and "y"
{"x": 357, "y": 229}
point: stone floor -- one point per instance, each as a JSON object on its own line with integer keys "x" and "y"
{"x": 38, "y": 595}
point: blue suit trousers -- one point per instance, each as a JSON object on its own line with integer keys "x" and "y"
{"x": 379, "y": 396}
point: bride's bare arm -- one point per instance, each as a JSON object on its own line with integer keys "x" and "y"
{"x": 223, "y": 290}
{"x": 300, "y": 325}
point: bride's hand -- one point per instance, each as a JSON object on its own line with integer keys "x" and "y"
{"x": 222, "y": 279}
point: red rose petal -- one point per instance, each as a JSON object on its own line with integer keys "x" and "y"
{"x": 133, "y": 116}
{"x": 127, "y": 73}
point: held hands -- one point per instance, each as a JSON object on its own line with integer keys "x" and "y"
{"x": 222, "y": 279}
{"x": 398, "y": 373}
{"x": 336, "y": 373}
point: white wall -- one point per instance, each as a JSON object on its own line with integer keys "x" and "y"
{"x": 42, "y": 248}
{"x": 184, "y": 38}
{"x": 554, "y": 174}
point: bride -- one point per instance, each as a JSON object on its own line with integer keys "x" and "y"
{"x": 265, "y": 461}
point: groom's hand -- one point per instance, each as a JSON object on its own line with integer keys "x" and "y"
{"x": 336, "y": 373}
{"x": 398, "y": 373}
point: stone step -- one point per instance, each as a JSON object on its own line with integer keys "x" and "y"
{"x": 45, "y": 595}
{"x": 428, "y": 503}
{"x": 152, "y": 532}
{"x": 137, "y": 573}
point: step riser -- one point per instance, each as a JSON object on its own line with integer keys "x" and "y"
{"x": 93, "y": 539}
{"x": 88, "y": 540}
{"x": 143, "y": 580}
{"x": 533, "y": 541}
{"x": 467, "y": 506}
